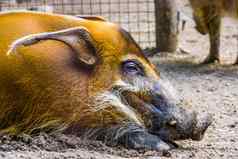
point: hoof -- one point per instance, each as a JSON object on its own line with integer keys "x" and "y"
{"x": 210, "y": 59}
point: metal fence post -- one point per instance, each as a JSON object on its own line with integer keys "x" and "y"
{"x": 166, "y": 25}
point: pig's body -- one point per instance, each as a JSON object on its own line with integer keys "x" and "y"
{"x": 91, "y": 80}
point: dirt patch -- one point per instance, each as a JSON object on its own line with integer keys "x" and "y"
{"x": 62, "y": 146}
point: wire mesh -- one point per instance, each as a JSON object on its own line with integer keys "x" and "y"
{"x": 136, "y": 16}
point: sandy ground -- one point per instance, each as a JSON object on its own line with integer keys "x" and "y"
{"x": 209, "y": 88}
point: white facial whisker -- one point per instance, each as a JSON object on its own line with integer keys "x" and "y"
{"x": 110, "y": 99}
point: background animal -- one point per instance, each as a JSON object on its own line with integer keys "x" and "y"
{"x": 208, "y": 15}
{"x": 87, "y": 77}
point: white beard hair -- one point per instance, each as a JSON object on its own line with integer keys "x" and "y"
{"x": 110, "y": 99}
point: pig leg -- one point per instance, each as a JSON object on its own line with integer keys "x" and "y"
{"x": 214, "y": 26}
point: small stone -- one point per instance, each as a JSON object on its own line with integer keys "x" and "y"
{"x": 209, "y": 145}
{"x": 2, "y": 155}
{"x": 221, "y": 155}
{"x": 166, "y": 154}
{"x": 191, "y": 155}
{"x": 232, "y": 125}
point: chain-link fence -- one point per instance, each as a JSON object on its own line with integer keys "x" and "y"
{"x": 137, "y": 16}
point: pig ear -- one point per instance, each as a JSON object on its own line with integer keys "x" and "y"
{"x": 78, "y": 39}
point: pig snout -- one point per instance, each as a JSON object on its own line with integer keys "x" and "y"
{"x": 203, "y": 122}
{"x": 187, "y": 123}
{"x": 178, "y": 123}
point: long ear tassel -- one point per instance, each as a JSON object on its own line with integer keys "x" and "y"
{"x": 26, "y": 40}
{"x": 13, "y": 47}
{"x": 34, "y": 38}
{"x": 91, "y": 17}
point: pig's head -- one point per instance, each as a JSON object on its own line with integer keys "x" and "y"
{"x": 124, "y": 88}
{"x": 140, "y": 88}
{"x": 136, "y": 89}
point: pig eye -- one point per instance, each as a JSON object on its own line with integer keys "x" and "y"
{"x": 132, "y": 67}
